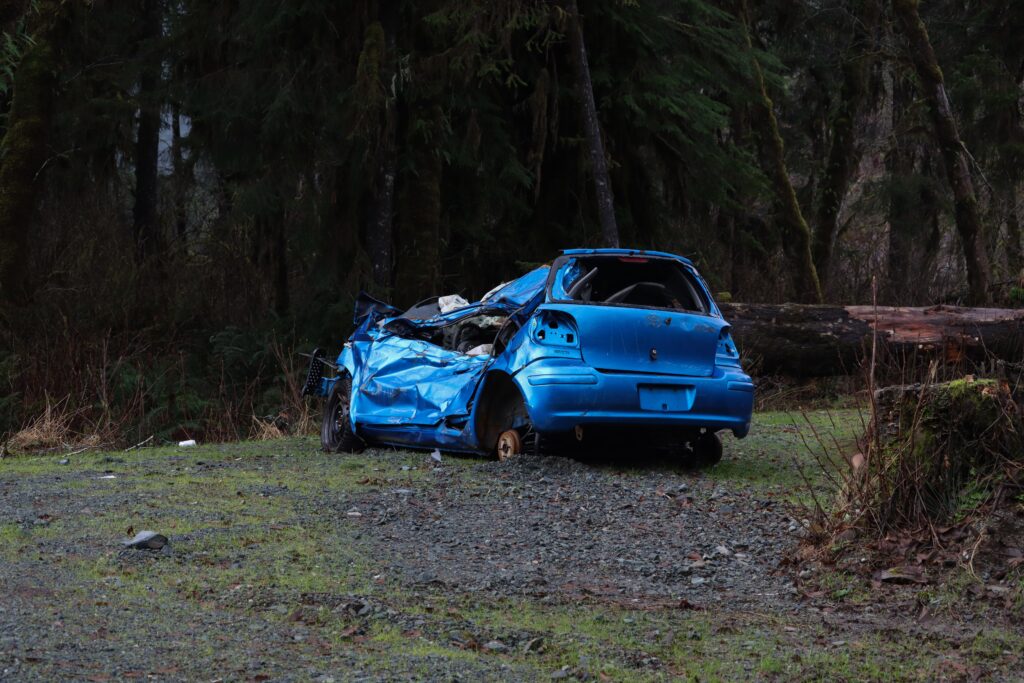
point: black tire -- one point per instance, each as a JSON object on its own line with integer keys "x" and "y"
{"x": 707, "y": 450}
{"x": 336, "y": 435}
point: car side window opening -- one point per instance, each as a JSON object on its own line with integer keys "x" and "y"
{"x": 630, "y": 281}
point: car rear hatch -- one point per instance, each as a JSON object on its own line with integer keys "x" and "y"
{"x": 639, "y": 314}
{"x": 644, "y": 341}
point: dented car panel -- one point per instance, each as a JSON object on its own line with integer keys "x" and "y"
{"x": 608, "y": 337}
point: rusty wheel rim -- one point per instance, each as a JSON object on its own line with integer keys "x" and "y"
{"x": 509, "y": 444}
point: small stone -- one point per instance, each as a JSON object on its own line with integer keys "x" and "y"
{"x": 722, "y": 550}
{"x": 496, "y": 646}
{"x": 147, "y": 540}
{"x": 561, "y": 673}
{"x": 697, "y": 580}
{"x": 63, "y": 461}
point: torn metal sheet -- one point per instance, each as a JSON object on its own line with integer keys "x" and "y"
{"x": 604, "y": 337}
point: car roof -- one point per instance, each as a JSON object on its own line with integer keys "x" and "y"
{"x": 625, "y": 252}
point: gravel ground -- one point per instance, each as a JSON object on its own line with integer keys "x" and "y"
{"x": 557, "y": 527}
{"x": 288, "y": 564}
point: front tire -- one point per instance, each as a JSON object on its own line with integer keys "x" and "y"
{"x": 336, "y": 435}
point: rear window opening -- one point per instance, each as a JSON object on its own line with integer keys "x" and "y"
{"x": 629, "y": 281}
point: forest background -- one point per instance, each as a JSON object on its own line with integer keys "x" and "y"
{"x": 191, "y": 191}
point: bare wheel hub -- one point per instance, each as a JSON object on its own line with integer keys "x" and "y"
{"x": 509, "y": 444}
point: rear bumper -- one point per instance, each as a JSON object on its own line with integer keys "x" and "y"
{"x": 562, "y": 394}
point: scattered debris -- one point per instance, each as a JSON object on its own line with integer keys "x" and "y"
{"x": 147, "y": 540}
{"x": 436, "y": 455}
{"x": 188, "y": 443}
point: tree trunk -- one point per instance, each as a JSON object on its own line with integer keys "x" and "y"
{"x": 1014, "y": 259}
{"x": 843, "y": 155}
{"x": 592, "y": 128}
{"x": 419, "y": 262}
{"x": 147, "y": 149}
{"x": 954, "y": 154}
{"x": 380, "y": 235}
{"x": 23, "y": 154}
{"x": 817, "y": 341}
{"x": 282, "y": 299}
{"x": 181, "y": 182}
{"x": 797, "y": 234}
{"x": 913, "y": 214}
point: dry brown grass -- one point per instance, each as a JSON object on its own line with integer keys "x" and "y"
{"x": 296, "y": 408}
{"x": 264, "y": 429}
{"x": 53, "y": 430}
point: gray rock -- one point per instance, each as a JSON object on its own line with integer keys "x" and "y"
{"x": 496, "y": 646}
{"x": 147, "y": 540}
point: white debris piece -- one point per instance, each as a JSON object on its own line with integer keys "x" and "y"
{"x": 450, "y": 303}
{"x": 188, "y": 443}
{"x": 482, "y": 350}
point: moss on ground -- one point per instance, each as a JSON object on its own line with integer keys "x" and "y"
{"x": 265, "y": 555}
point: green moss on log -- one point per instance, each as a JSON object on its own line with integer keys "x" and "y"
{"x": 955, "y": 444}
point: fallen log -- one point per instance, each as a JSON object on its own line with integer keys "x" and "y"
{"x": 819, "y": 341}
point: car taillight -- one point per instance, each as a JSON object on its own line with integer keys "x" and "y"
{"x": 556, "y": 328}
{"x": 727, "y": 352}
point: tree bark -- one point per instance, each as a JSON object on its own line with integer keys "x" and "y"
{"x": 147, "y": 148}
{"x": 789, "y": 215}
{"x": 419, "y": 262}
{"x": 282, "y": 298}
{"x": 181, "y": 182}
{"x": 592, "y": 128}
{"x": 843, "y": 154}
{"x": 380, "y": 236}
{"x": 817, "y": 341}
{"x": 23, "y": 154}
{"x": 1014, "y": 258}
{"x": 954, "y": 154}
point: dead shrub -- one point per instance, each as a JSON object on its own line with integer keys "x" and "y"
{"x": 267, "y": 429}
{"x": 52, "y": 430}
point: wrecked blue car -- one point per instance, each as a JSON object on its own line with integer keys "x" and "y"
{"x": 603, "y": 342}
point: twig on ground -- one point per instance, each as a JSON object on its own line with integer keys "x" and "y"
{"x": 139, "y": 444}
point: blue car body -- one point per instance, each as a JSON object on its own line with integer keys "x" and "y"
{"x": 567, "y": 353}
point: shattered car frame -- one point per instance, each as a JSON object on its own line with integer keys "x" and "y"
{"x": 602, "y": 340}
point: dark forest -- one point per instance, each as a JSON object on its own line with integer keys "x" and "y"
{"x": 191, "y": 192}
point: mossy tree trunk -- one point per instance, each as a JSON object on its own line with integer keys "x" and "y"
{"x": 797, "y": 234}
{"x": 23, "y": 153}
{"x": 954, "y": 154}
